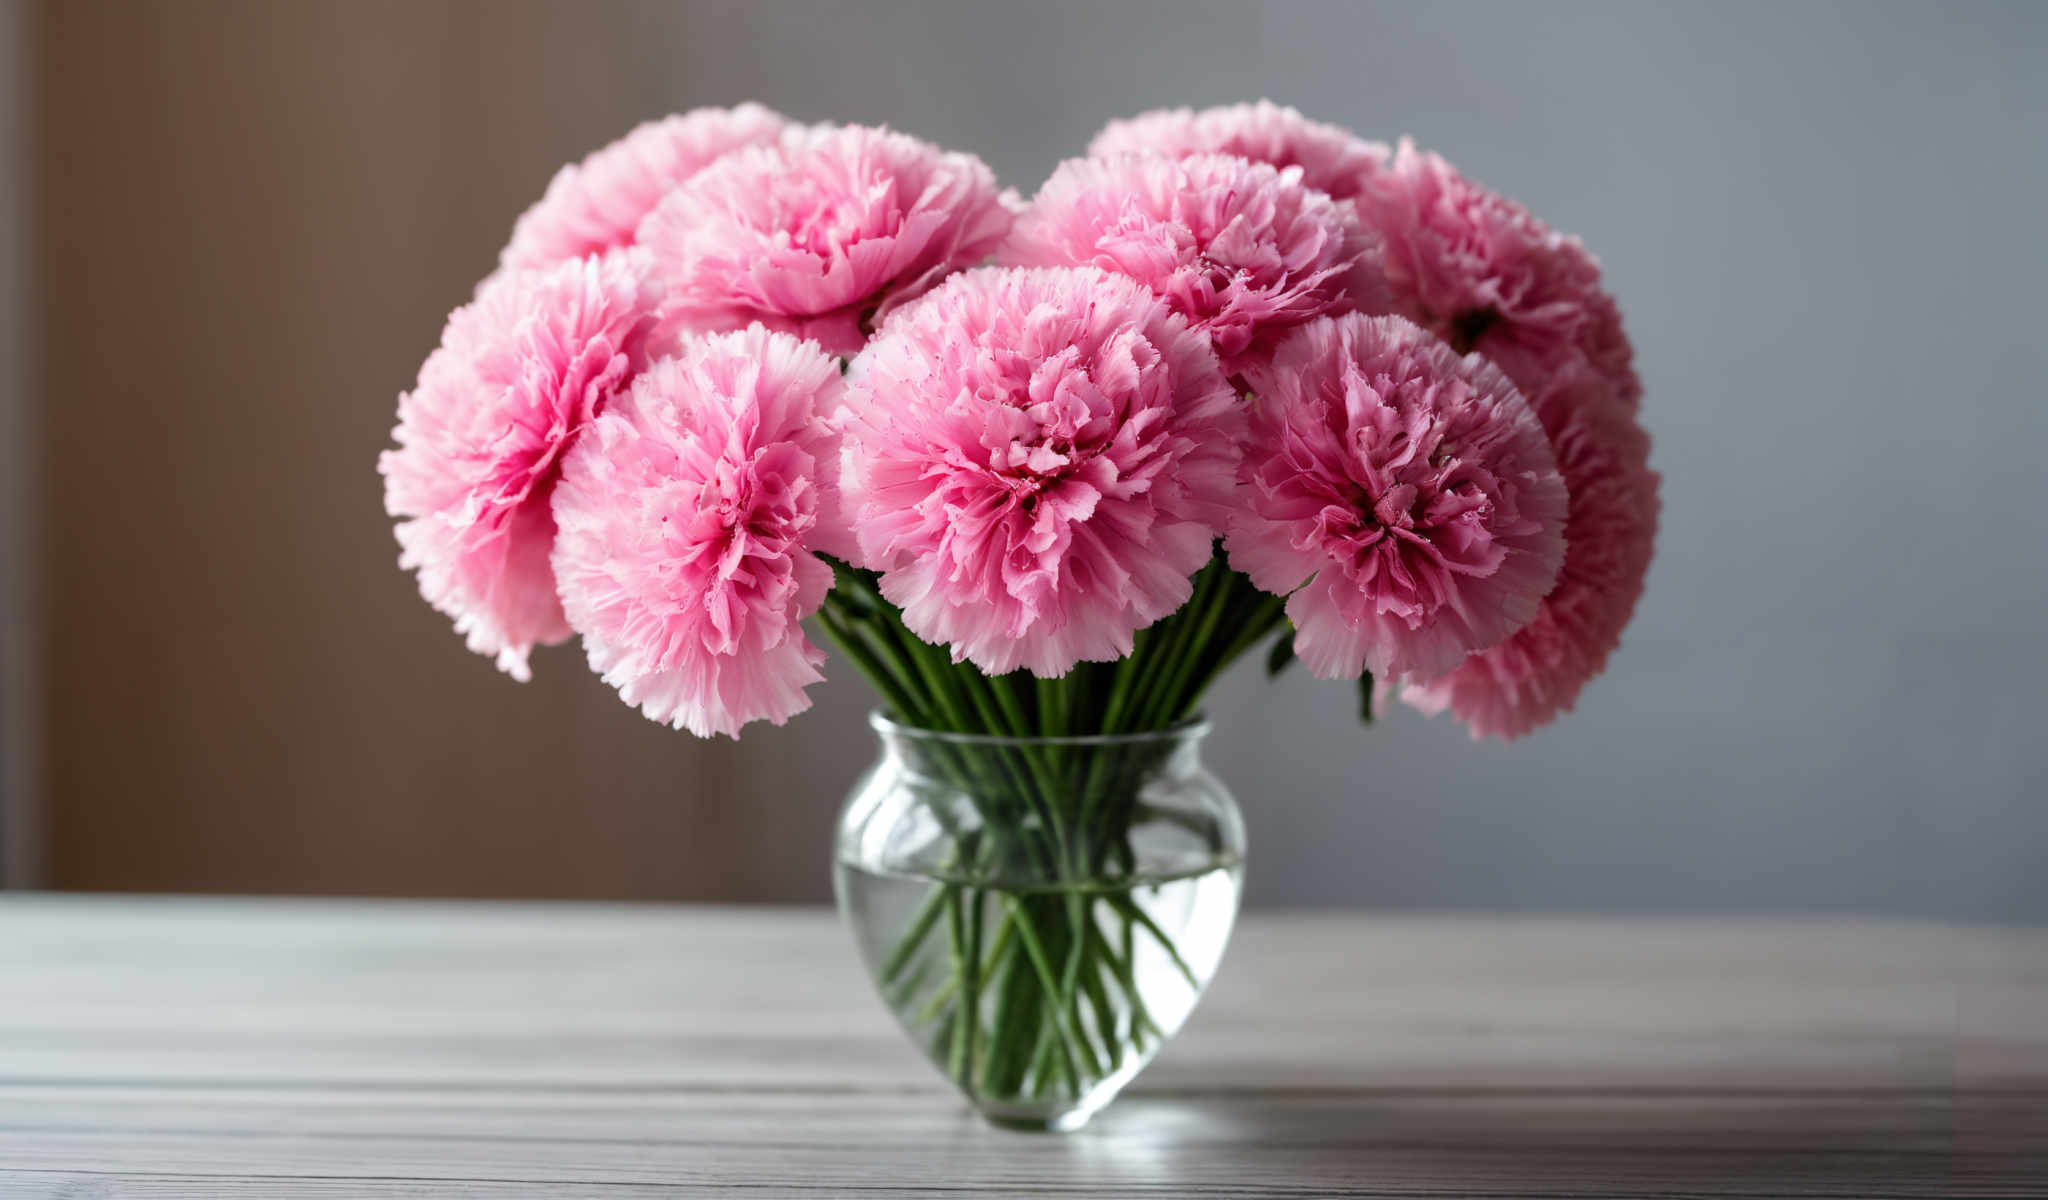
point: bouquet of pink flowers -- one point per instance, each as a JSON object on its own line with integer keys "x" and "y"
{"x": 1037, "y": 469}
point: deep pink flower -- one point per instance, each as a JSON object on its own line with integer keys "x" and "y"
{"x": 1536, "y": 674}
{"x": 689, "y": 514}
{"x": 1038, "y": 460}
{"x": 822, "y": 233}
{"x": 1243, "y": 250}
{"x": 519, "y": 373}
{"x": 1404, "y": 499}
{"x": 1331, "y": 159}
{"x": 595, "y": 206}
{"x": 1476, "y": 269}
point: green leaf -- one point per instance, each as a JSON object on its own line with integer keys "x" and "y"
{"x": 1365, "y": 697}
{"x": 1281, "y": 655}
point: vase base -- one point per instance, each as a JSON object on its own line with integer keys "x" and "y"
{"x": 1029, "y": 1122}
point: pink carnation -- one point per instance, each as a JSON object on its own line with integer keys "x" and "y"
{"x": 1332, "y": 159}
{"x": 1403, "y": 498}
{"x": 820, "y": 234}
{"x": 595, "y": 206}
{"x": 520, "y": 372}
{"x": 688, "y": 518}
{"x": 1037, "y": 461}
{"x": 1241, "y": 249}
{"x": 1479, "y": 271}
{"x": 1529, "y": 679}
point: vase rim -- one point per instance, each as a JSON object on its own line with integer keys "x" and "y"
{"x": 1194, "y": 727}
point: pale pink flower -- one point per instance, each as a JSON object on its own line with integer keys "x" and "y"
{"x": 1404, "y": 499}
{"x": 1332, "y": 159}
{"x": 1478, "y": 270}
{"x": 689, "y": 514}
{"x": 595, "y": 206}
{"x": 1037, "y": 461}
{"x": 822, "y": 233}
{"x": 1530, "y": 678}
{"x": 520, "y": 372}
{"x": 1243, "y": 250}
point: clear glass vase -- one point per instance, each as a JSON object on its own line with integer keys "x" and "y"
{"x": 1040, "y": 914}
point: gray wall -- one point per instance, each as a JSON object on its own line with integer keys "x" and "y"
{"x": 1825, "y": 224}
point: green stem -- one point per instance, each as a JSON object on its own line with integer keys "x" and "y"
{"x": 865, "y": 658}
{"x": 1034, "y": 950}
{"x": 963, "y": 1013}
{"x": 927, "y": 915}
{"x": 970, "y": 986}
{"x": 1130, "y": 908}
{"x": 1124, "y": 970}
{"x": 1099, "y": 1003}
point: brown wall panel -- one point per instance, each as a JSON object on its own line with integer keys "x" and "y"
{"x": 253, "y": 219}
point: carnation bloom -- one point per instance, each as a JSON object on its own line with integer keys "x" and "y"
{"x": 520, "y": 371}
{"x": 1037, "y": 461}
{"x": 688, "y": 514}
{"x": 1332, "y": 159}
{"x": 821, "y": 233}
{"x": 1476, "y": 269}
{"x": 1243, "y": 250}
{"x": 595, "y": 206}
{"x": 1530, "y": 678}
{"x": 1404, "y": 499}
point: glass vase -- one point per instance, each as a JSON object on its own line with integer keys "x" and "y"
{"x": 1040, "y": 914}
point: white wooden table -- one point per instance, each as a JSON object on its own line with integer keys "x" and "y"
{"x": 245, "y": 1048}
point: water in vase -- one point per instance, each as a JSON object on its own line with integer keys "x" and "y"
{"x": 1040, "y": 1003}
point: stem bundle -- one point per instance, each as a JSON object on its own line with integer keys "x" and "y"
{"x": 1036, "y": 925}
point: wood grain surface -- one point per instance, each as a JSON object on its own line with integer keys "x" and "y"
{"x": 248, "y": 1048}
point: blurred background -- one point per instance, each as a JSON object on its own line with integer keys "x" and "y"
{"x": 229, "y": 233}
